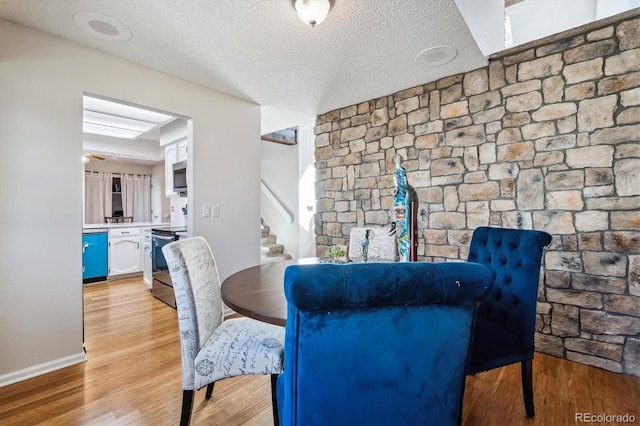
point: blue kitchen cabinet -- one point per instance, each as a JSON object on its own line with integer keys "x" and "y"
{"x": 94, "y": 257}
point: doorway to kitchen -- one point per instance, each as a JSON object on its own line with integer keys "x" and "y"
{"x": 128, "y": 154}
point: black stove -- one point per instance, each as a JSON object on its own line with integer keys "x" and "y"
{"x": 162, "y": 287}
{"x": 168, "y": 230}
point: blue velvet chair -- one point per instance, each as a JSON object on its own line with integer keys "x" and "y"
{"x": 505, "y": 325}
{"x": 378, "y": 343}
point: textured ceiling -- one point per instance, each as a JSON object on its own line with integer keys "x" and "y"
{"x": 258, "y": 50}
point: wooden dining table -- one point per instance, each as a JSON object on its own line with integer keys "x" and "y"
{"x": 258, "y": 292}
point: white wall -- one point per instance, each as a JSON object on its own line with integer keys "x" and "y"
{"x": 42, "y": 80}
{"x": 531, "y": 20}
{"x": 306, "y": 189}
{"x": 279, "y": 171}
{"x": 173, "y": 132}
{"x": 606, "y": 8}
{"x": 534, "y": 19}
{"x": 485, "y": 19}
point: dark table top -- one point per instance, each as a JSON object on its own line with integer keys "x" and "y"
{"x": 258, "y": 292}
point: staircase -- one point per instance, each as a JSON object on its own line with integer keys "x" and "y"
{"x": 271, "y": 250}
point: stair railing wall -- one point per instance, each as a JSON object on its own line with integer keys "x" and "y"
{"x": 280, "y": 207}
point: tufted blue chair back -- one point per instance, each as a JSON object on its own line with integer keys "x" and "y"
{"x": 378, "y": 343}
{"x": 504, "y": 330}
{"x": 514, "y": 257}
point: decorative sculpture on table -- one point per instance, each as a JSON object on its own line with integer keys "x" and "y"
{"x": 365, "y": 246}
{"x": 403, "y": 213}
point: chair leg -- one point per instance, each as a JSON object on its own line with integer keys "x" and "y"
{"x": 274, "y": 400}
{"x": 209, "y": 390}
{"x": 526, "y": 368}
{"x": 187, "y": 407}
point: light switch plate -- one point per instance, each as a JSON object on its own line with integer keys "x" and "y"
{"x": 216, "y": 211}
{"x": 206, "y": 210}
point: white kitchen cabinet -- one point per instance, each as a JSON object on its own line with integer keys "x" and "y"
{"x": 182, "y": 150}
{"x": 124, "y": 251}
{"x": 170, "y": 158}
{"x": 174, "y": 153}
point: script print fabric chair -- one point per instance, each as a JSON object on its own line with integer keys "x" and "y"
{"x": 381, "y": 245}
{"x": 213, "y": 349}
{"x": 378, "y": 343}
{"x": 505, "y": 324}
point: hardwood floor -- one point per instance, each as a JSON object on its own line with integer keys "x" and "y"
{"x": 133, "y": 376}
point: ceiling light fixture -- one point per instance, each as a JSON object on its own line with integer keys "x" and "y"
{"x": 102, "y": 26}
{"x": 436, "y": 56}
{"x": 312, "y": 12}
{"x": 107, "y": 118}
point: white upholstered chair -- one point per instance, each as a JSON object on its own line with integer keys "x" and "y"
{"x": 382, "y": 245}
{"x": 213, "y": 349}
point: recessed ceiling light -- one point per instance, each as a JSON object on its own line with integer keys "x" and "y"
{"x": 102, "y": 26}
{"x": 107, "y": 118}
{"x": 436, "y": 56}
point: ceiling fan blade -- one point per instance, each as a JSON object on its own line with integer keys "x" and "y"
{"x": 96, "y": 157}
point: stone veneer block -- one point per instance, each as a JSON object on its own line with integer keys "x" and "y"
{"x": 618, "y": 83}
{"x": 629, "y": 116}
{"x": 554, "y": 111}
{"x": 590, "y": 51}
{"x": 526, "y": 102}
{"x": 598, "y": 284}
{"x": 600, "y": 322}
{"x": 627, "y": 172}
{"x": 540, "y": 68}
{"x": 616, "y": 135}
{"x": 573, "y": 179}
{"x": 627, "y": 305}
{"x": 530, "y": 189}
{"x": 634, "y": 275}
{"x": 583, "y": 71}
{"x": 580, "y": 91}
{"x": 604, "y": 263}
{"x": 631, "y": 356}
{"x": 600, "y": 34}
{"x": 475, "y": 82}
{"x": 599, "y": 349}
{"x": 594, "y": 361}
{"x": 596, "y": 113}
{"x": 582, "y": 299}
{"x": 623, "y": 63}
{"x": 456, "y": 109}
{"x": 630, "y": 97}
{"x": 629, "y": 34}
{"x": 552, "y": 89}
{"x": 590, "y": 221}
{"x": 591, "y": 156}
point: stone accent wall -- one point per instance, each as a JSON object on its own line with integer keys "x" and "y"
{"x": 546, "y": 137}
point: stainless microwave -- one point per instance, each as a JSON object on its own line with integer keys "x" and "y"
{"x": 180, "y": 177}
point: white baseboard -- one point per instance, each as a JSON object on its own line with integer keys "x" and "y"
{"x": 37, "y": 370}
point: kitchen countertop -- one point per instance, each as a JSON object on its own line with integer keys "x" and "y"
{"x": 92, "y": 227}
